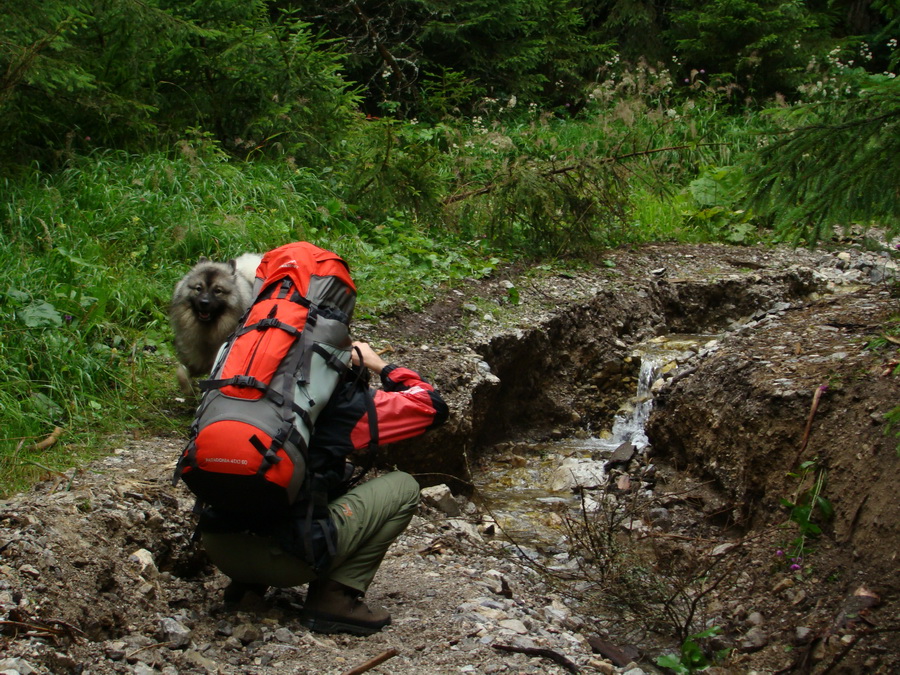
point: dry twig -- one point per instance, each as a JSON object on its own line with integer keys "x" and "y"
{"x": 49, "y": 441}
{"x": 812, "y": 413}
{"x": 541, "y": 651}
{"x": 371, "y": 663}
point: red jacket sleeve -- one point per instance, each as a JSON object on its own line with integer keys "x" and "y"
{"x": 406, "y": 406}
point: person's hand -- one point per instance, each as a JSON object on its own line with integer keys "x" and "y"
{"x": 370, "y": 359}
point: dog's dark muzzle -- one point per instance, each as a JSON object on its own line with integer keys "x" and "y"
{"x": 205, "y": 309}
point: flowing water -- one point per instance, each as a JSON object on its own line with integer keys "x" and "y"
{"x": 525, "y": 494}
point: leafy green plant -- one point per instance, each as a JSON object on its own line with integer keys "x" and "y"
{"x": 711, "y": 207}
{"x": 889, "y": 338}
{"x": 74, "y": 76}
{"x": 692, "y": 658}
{"x": 808, "y": 510}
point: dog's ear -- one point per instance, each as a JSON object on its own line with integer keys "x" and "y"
{"x": 203, "y": 259}
{"x": 233, "y": 265}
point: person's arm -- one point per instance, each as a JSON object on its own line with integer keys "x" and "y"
{"x": 406, "y": 407}
{"x": 363, "y": 354}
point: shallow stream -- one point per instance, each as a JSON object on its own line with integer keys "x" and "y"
{"x": 525, "y": 493}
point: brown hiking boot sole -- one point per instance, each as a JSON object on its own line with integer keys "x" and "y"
{"x": 327, "y": 623}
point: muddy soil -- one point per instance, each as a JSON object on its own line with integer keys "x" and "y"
{"x": 98, "y": 573}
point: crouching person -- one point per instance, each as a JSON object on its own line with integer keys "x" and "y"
{"x": 337, "y": 542}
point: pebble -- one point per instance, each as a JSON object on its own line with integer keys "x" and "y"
{"x": 174, "y": 632}
{"x": 30, "y": 570}
{"x": 441, "y": 498}
{"x": 247, "y": 633}
{"x": 233, "y": 644}
{"x": 284, "y": 635}
{"x": 755, "y": 619}
{"x": 602, "y": 667}
{"x": 16, "y": 667}
{"x": 783, "y": 585}
{"x": 514, "y": 625}
{"x": 754, "y": 639}
{"x": 802, "y": 635}
{"x": 145, "y": 563}
{"x": 632, "y": 669}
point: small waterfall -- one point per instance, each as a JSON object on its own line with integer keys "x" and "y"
{"x": 628, "y": 426}
{"x": 523, "y": 491}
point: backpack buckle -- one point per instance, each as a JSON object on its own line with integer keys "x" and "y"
{"x": 268, "y": 322}
{"x": 243, "y": 381}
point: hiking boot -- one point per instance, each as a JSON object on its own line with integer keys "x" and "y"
{"x": 334, "y": 608}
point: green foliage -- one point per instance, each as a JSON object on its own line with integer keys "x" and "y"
{"x": 268, "y": 86}
{"x": 826, "y": 162}
{"x": 419, "y": 266}
{"x": 534, "y": 182}
{"x": 282, "y": 76}
{"x": 132, "y": 73}
{"x": 889, "y": 339}
{"x": 693, "y": 658}
{"x": 533, "y": 49}
{"x": 635, "y": 26}
{"x": 67, "y": 364}
{"x": 711, "y": 204}
{"x": 763, "y": 44}
{"x": 427, "y": 58}
{"x": 387, "y": 164}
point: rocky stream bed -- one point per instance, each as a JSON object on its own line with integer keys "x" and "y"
{"x": 782, "y": 401}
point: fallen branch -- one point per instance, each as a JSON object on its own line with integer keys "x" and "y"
{"x": 368, "y": 665}
{"x": 32, "y": 627}
{"x": 383, "y": 51}
{"x": 541, "y": 651}
{"x": 57, "y": 627}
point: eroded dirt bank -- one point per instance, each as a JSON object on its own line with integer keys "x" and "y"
{"x": 559, "y": 359}
{"x": 97, "y": 572}
{"x": 796, "y": 400}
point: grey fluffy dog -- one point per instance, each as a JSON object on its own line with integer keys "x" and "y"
{"x": 207, "y": 305}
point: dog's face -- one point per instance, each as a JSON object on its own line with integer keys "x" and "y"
{"x": 210, "y": 291}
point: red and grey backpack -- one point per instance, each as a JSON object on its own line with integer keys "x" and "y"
{"x": 270, "y": 381}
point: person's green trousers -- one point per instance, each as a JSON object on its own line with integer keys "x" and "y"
{"x": 368, "y": 519}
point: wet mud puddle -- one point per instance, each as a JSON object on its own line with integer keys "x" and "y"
{"x": 528, "y": 492}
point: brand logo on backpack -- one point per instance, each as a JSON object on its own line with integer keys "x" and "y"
{"x": 248, "y": 449}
